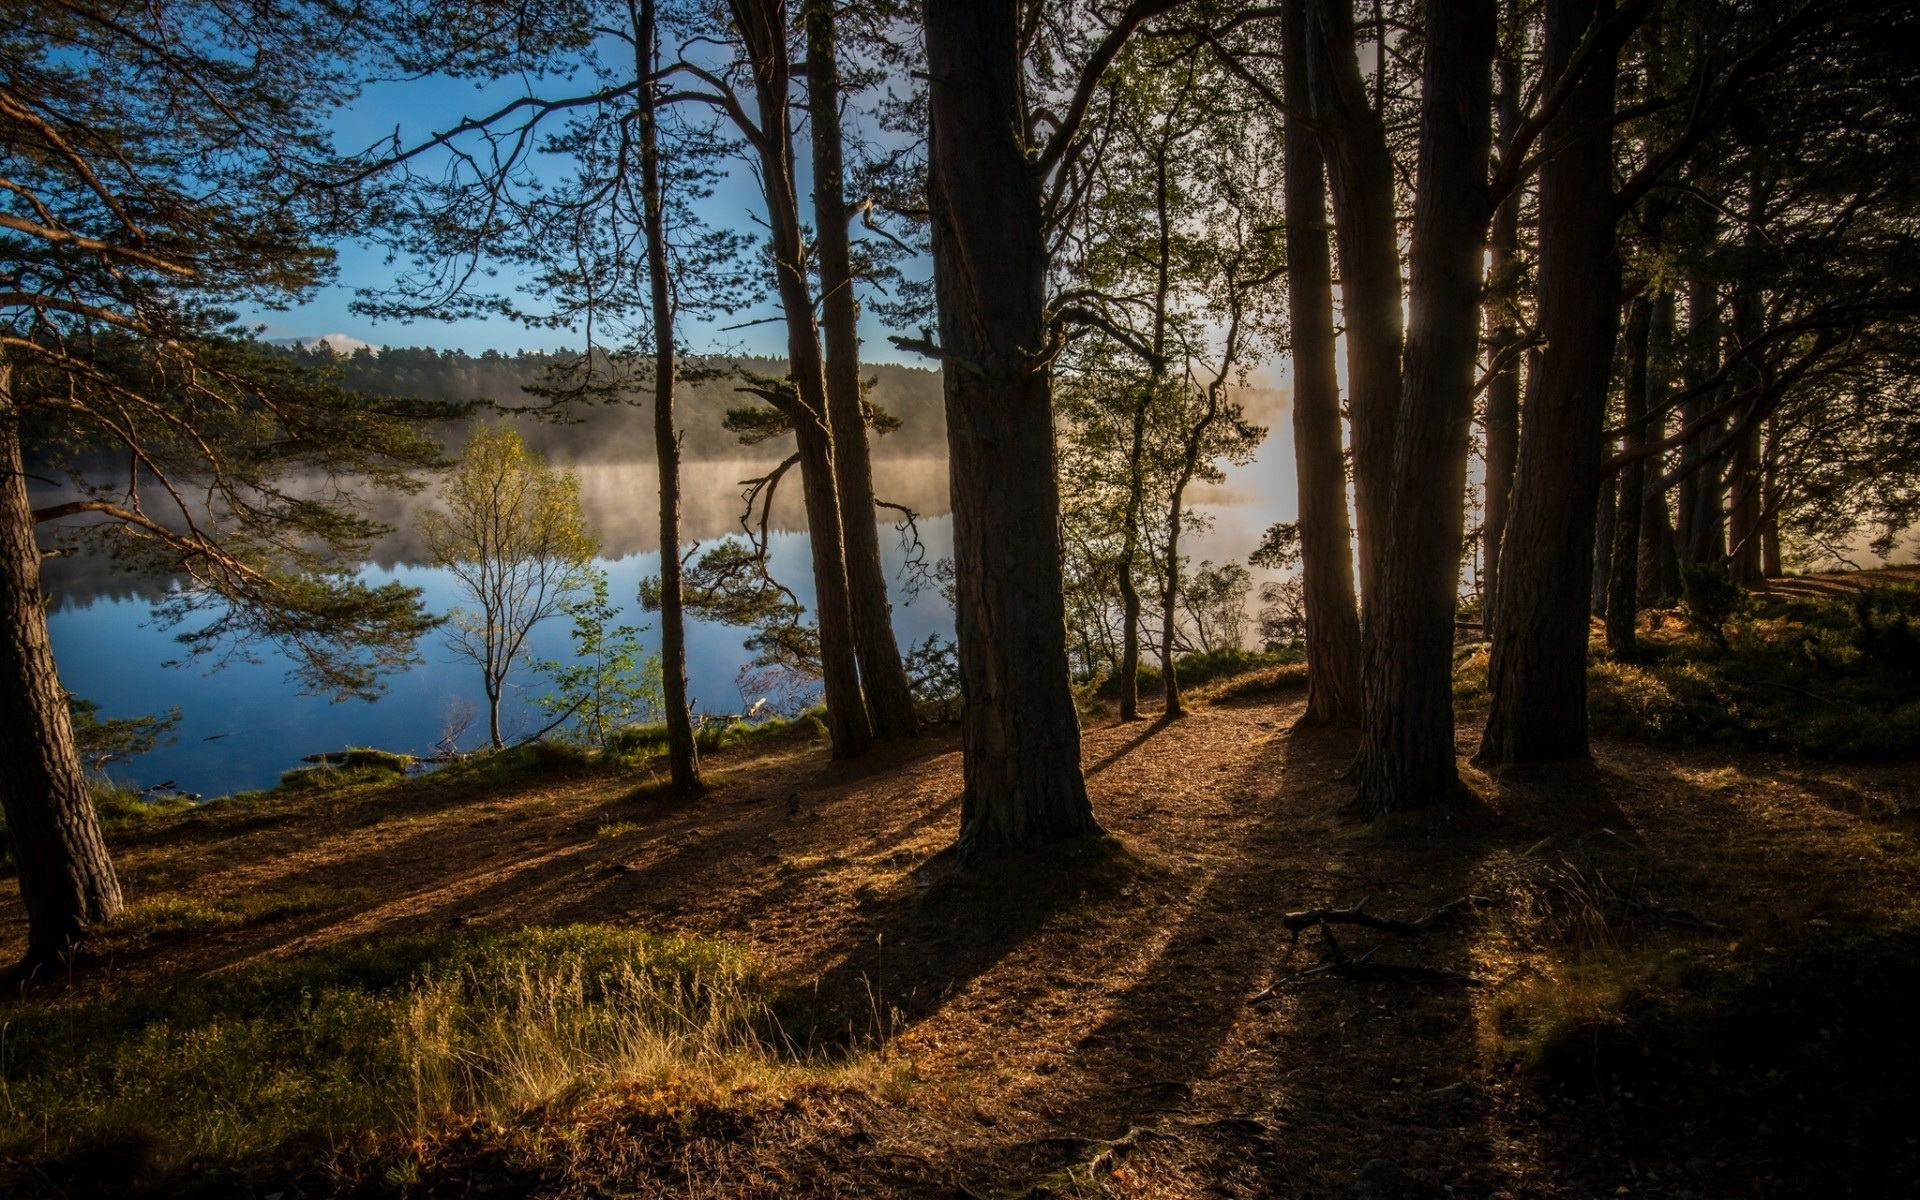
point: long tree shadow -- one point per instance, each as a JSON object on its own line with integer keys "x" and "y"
{"x": 1182, "y": 1039}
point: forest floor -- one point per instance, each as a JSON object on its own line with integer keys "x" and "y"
{"x": 1679, "y": 973}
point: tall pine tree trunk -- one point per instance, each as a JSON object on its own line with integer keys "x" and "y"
{"x": 1021, "y": 756}
{"x": 66, "y": 878}
{"x": 1406, "y": 752}
{"x": 883, "y": 674}
{"x": 1659, "y": 548}
{"x": 1623, "y": 583}
{"x": 1538, "y": 668}
{"x": 1744, "y": 508}
{"x": 1129, "y": 553}
{"x": 1503, "y": 389}
{"x": 763, "y": 27}
{"x": 683, "y": 752}
{"x": 1326, "y": 552}
{"x": 1360, "y": 175}
{"x": 1770, "y": 501}
{"x": 1703, "y": 534}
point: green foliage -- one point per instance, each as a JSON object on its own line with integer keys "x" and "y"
{"x": 933, "y": 671}
{"x": 388, "y": 1034}
{"x": 1710, "y": 598}
{"x": 513, "y": 537}
{"x": 1818, "y": 676}
{"x": 611, "y": 683}
{"x": 116, "y": 739}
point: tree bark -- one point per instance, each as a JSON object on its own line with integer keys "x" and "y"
{"x": 1702, "y": 520}
{"x": 1360, "y": 173}
{"x": 763, "y": 28}
{"x": 1326, "y": 539}
{"x": 1129, "y": 551}
{"x": 1538, "y": 669}
{"x": 683, "y": 751}
{"x": 1407, "y": 754}
{"x": 1503, "y": 389}
{"x": 1770, "y": 501}
{"x": 67, "y": 880}
{"x": 1021, "y": 733}
{"x": 883, "y": 673}
{"x": 1623, "y": 584}
{"x": 1744, "y": 508}
{"x": 1659, "y": 550}
{"x": 1600, "y": 570}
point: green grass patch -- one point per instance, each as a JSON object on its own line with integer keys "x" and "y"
{"x": 1198, "y": 670}
{"x": 638, "y": 742}
{"x": 175, "y": 916}
{"x": 400, "y": 1034}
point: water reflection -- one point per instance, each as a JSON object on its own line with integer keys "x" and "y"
{"x": 244, "y": 723}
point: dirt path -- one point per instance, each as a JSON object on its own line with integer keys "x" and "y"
{"x": 1053, "y": 1005}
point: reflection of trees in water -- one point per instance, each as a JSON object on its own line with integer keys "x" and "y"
{"x": 621, "y": 502}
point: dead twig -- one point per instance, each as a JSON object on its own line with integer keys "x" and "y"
{"x": 1299, "y": 922}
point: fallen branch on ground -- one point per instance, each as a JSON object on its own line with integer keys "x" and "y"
{"x": 1298, "y": 922}
{"x": 1341, "y": 963}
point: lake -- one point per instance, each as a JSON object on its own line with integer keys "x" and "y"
{"x": 243, "y": 723}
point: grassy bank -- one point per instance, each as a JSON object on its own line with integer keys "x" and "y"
{"x": 400, "y": 1034}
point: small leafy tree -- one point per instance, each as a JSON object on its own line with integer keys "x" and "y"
{"x": 514, "y": 538}
{"x": 612, "y": 682}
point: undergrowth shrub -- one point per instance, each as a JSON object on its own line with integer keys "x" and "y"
{"x": 1739, "y": 1048}
{"x": 1823, "y": 677}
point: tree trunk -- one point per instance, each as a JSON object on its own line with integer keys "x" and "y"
{"x": 1360, "y": 173}
{"x": 493, "y": 715}
{"x": 1606, "y": 515}
{"x": 1326, "y": 539}
{"x": 1659, "y": 551}
{"x": 1021, "y": 733}
{"x": 1407, "y": 753}
{"x": 763, "y": 27}
{"x": 66, "y": 878}
{"x": 1503, "y": 389}
{"x": 683, "y": 752}
{"x": 1129, "y": 551}
{"x": 1770, "y": 501}
{"x": 1623, "y": 585}
{"x": 1744, "y": 507}
{"x": 1538, "y": 669}
{"x": 1172, "y": 705}
{"x": 1743, "y": 515}
{"x": 883, "y": 673}
{"x": 1702, "y": 520}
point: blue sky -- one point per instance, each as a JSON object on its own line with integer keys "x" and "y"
{"x": 421, "y": 107}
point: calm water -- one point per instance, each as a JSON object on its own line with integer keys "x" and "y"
{"x": 244, "y": 723}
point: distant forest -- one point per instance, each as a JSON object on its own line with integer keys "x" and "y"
{"x": 590, "y": 432}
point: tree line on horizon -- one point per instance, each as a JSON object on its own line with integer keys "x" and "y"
{"x": 1651, "y": 257}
